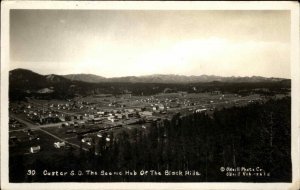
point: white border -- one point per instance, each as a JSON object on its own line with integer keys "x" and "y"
{"x": 157, "y": 5}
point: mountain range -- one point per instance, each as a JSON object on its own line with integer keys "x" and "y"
{"x": 167, "y": 78}
{"x": 25, "y": 83}
{"x": 24, "y": 75}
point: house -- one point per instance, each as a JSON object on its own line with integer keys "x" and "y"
{"x": 59, "y": 144}
{"x": 81, "y": 123}
{"x": 100, "y": 112}
{"x": 69, "y": 131}
{"x": 65, "y": 124}
{"x": 138, "y": 109}
{"x": 200, "y": 110}
{"x": 86, "y": 139}
{"x": 215, "y": 92}
{"x": 97, "y": 120}
{"x": 129, "y": 110}
{"x": 146, "y": 113}
{"x": 61, "y": 118}
{"x": 161, "y": 107}
{"x": 111, "y": 118}
{"x": 119, "y": 116}
{"x": 35, "y": 149}
{"x": 128, "y": 115}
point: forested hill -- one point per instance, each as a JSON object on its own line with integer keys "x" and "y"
{"x": 25, "y": 83}
{"x": 155, "y": 78}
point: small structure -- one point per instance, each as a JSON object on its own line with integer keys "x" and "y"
{"x": 200, "y": 110}
{"x": 119, "y": 116}
{"x": 59, "y": 144}
{"x": 160, "y": 106}
{"x": 100, "y": 112}
{"x": 86, "y": 139}
{"x": 33, "y": 137}
{"x": 65, "y": 124}
{"x": 111, "y": 118}
{"x": 215, "y": 92}
{"x": 35, "y": 149}
{"x": 145, "y": 113}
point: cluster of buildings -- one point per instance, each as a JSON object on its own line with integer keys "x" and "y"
{"x": 14, "y": 123}
{"x": 42, "y": 115}
{"x": 37, "y": 148}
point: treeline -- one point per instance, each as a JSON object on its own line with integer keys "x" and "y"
{"x": 257, "y": 135}
{"x": 70, "y": 89}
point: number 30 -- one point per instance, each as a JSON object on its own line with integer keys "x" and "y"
{"x": 31, "y": 172}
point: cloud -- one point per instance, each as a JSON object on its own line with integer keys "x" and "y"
{"x": 218, "y": 56}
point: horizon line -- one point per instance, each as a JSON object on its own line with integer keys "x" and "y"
{"x": 236, "y": 76}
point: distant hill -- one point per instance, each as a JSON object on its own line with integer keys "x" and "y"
{"x": 22, "y": 78}
{"x": 85, "y": 78}
{"x": 25, "y": 83}
{"x": 159, "y": 78}
{"x": 23, "y": 75}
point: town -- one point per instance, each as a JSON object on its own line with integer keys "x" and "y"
{"x": 37, "y": 126}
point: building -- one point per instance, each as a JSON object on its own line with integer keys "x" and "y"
{"x": 146, "y": 113}
{"x": 111, "y": 118}
{"x": 215, "y": 92}
{"x": 129, "y": 110}
{"x": 160, "y": 106}
{"x": 119, "y": 116}
{"x": 200, "y": 110}
{"x": 35, "y": 149}
{"x": 97, "y": 120}
{"x": 100, "y": 112}
{"x": 86, "y": 140}
{"x": 59, "y": 144}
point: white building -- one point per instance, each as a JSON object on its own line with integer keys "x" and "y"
{"x": 59, "y": 144}
{"x": 35, "y": 149}
{"x": 200, "y": 110}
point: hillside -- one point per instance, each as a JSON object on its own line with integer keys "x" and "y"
{"x": 85, "y": 78}
{"x": 25, "y": 83}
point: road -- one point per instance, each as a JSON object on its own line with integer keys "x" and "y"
{"x": 40, "y": 128}
{"x": 32, "y": 126}
{"x": 60, "y": 139}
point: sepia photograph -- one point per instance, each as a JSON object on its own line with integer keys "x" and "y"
{"x": 173, "y": 94}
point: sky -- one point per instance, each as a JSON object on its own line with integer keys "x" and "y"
{"x": 114, "y": 43}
